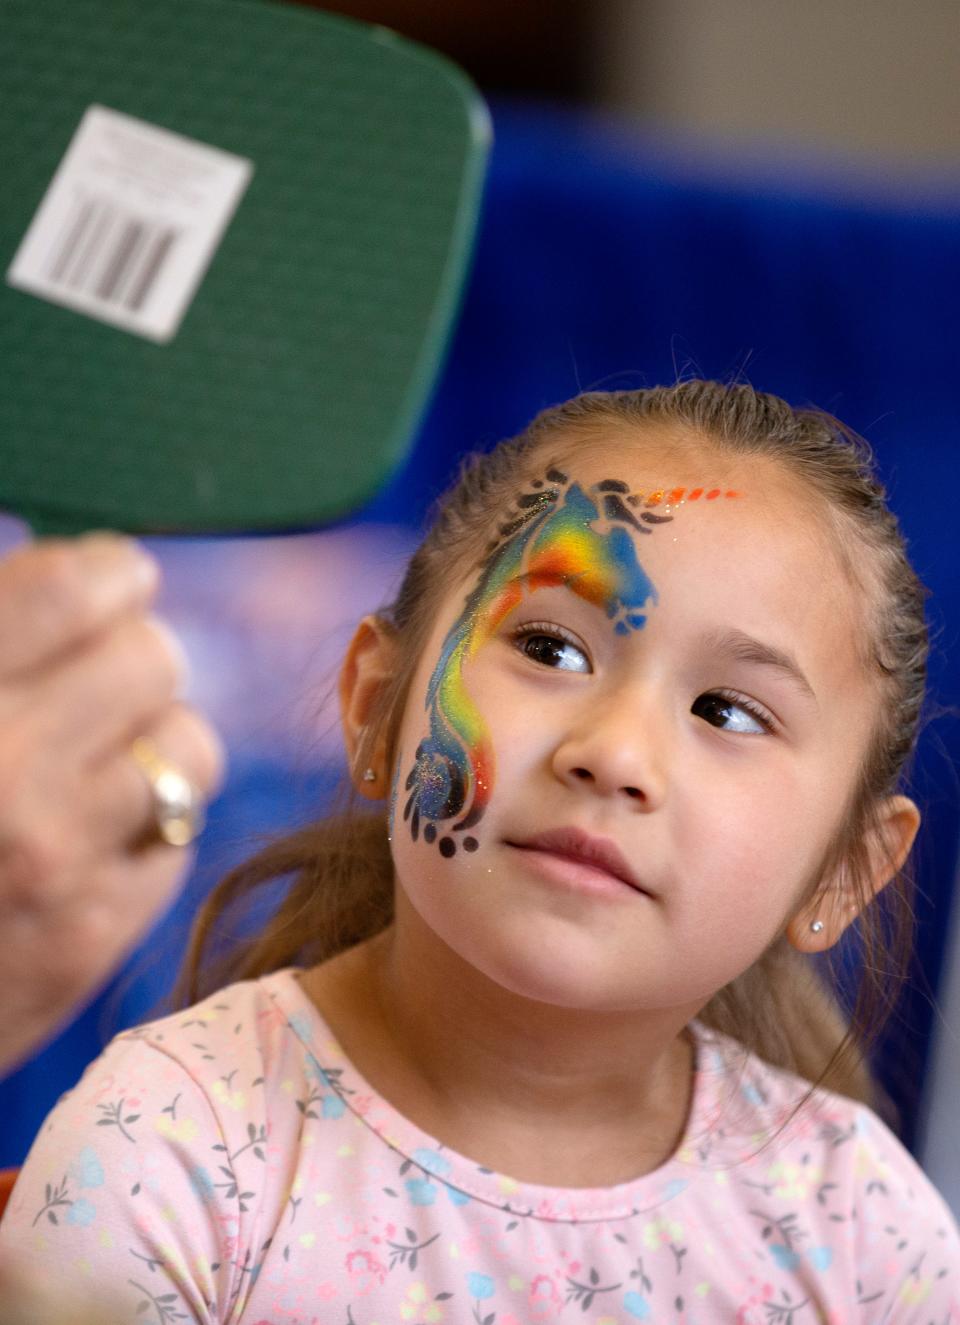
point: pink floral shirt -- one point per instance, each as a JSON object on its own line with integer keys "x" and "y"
{"x": 228, "y": 1164}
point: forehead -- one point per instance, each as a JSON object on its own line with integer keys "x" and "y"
{"x": 700, "y": 486}
{"x": 663, "y": 458}
{"x": 776, "y": 555}
{"x": 735, "y": 539}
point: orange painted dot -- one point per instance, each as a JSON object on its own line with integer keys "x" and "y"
{"x": 714, "y": 492}
{"x": 732, "y": 494}
{"x": 655, "y": 498}
{"x": 677, "y": 494}
{"x": 697, "y": 492}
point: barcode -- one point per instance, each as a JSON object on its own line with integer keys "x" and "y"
{"x": 110, "y": 255}
{"x": 129, "y": 223}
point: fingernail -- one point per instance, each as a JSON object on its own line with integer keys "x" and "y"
{"x": 118, "y": 554}
{"x": 175, "y": 648}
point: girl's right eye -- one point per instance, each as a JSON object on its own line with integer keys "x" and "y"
{"x": 551, "y": 646}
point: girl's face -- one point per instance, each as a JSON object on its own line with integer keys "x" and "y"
{"x": 634, "y": 731}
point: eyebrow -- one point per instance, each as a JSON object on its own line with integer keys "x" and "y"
{"x": 546, "y": 580}
{"x": 731, "y": 643}
{"x": 738, "y": 645}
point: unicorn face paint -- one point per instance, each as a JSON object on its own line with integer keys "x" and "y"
{"x": 708, "y": 753}
{"x": 558, "y": 534}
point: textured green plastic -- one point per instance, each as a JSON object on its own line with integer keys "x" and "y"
{"x": 302, "y": 365}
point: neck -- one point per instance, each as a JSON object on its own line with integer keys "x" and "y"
{"x": 560, "y": 1096}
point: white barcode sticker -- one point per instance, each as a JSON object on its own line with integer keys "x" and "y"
{"x": 129, "y": 223}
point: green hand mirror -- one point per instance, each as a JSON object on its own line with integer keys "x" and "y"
{"x": 234, "y": 234}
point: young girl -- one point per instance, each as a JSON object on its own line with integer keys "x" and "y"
{"x": 541, "y": 1037}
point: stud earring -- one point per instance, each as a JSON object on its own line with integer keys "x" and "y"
{"x": 370, "y": 776}
{"x": 817, "y": 926}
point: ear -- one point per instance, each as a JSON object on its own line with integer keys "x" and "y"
{"x": 366, "y": 668}
{"x": 836, "y": 903}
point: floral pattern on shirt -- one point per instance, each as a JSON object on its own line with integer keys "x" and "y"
{"x": 230, "y": 1165}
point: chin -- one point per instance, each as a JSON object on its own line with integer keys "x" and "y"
{"x": 571, "y": 976}
{"x": 551, "y": 977}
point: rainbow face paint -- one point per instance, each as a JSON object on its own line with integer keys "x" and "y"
{"x": 558, "y": 534}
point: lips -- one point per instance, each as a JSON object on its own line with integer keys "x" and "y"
{"x": 576, "y": 845}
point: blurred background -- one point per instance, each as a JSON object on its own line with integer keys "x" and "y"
{"x": 871, "y": 84}
{"x": 752, "y": 188}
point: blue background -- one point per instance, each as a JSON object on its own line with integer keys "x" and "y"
{"x": 606, "y": 259}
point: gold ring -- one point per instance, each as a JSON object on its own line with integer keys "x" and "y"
{"x": 177, "y": 804}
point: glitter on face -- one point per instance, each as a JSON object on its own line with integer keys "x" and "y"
{"x": 558, "y": 535}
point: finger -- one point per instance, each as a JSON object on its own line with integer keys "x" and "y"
{"x": 53, "y": 842}
{"x": 54, "y": 594}
{"x": 85, "y": 704}
{"x": 181, "y": 738}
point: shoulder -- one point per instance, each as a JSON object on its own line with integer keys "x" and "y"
{"x": 245, "y": 1022}
{"x": 240, "y": 1034}
{"x": 236, "y": 1054}
{"x": 832, "y": 1172}
{"x": 181, "y": 1129}
{"x": 195, "y": 1086}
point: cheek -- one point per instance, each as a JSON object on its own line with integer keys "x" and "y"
{"x": 447, "y": 761}
{"x": 756, "y": 852}
{"x": 449, "y": 895}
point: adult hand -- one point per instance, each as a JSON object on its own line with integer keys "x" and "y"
{"x": 84, "y": 670}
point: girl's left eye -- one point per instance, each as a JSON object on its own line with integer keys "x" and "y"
{"x": 551, "y": 646}
{"x": 731, "y": 713}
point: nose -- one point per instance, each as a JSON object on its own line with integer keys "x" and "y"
{"x": 614, "y": 754}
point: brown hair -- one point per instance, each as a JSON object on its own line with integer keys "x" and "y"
{"x": 783, "y": 1009}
